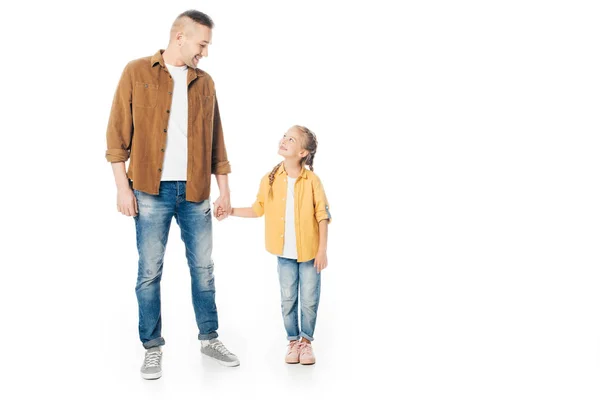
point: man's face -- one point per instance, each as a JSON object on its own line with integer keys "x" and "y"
{"x": 195, "y": 44}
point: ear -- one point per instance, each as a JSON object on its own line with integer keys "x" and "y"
{"x": 303, "y": 153}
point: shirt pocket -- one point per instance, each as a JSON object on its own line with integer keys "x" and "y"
{"x": 145, "y": 95}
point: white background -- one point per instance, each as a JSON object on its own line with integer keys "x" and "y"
{"x": 458, "y": 145}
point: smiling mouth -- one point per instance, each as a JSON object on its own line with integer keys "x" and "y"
{"x": 197, "y": 58}
{"x": 282, "y": 148}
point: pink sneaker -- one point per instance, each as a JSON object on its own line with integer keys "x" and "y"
{"x": 306, "y": 354}
{"x": 293, "y": 354}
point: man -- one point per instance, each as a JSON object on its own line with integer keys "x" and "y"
{"x": 165, "y": 120}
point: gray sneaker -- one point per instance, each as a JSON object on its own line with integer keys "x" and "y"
{"x": 215, "y": 349}
{"x": 151, "y": 368}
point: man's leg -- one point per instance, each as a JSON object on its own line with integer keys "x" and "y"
{"x": 152, "y": 229}
{"x": 195, "y": 222}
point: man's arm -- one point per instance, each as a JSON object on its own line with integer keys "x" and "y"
{"x": 220, "y": 165}
{"x": 118, "y": 142}
{"x": 224, "y": 200}
{"x": 119, "y": 133}
{"x": 126, "y": 202}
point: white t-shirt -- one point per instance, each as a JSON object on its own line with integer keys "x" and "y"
{"x": 289, "y": 240}
{"x": 175, "y": 163}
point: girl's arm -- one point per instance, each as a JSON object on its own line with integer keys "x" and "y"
{"x": 321, "y": 259}
{"x": 245, "y": 212}
{"x": 323, "y": 226}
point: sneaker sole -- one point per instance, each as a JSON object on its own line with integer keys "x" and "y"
{"x": 307, "y": 363}
{"x": 153, "y": 376}
{"x": 224, "y": 363}
{"x": 229, "y": 363}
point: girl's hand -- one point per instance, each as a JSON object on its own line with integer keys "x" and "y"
{"x": 220, "y": 213}
{"x": 321, "y": 261}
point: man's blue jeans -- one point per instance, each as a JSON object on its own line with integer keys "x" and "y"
{"x": 152, "y": 224}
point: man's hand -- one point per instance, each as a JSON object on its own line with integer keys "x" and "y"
{"x": 321, "y": 261}
{"x": 126, "y": 202}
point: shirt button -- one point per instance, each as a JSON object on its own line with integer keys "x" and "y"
{"x": 281, "y": 235}
{"x": 145, "y": 85}
{"x": 170, "y": 92}
{"x": 160, "y": 170}
{"x": 168, "y": 111}
{"x": 283, "y": 198}
{"x": 164, "y": 130}
{"x": 163, "y": 150}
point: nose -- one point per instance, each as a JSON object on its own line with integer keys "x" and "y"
{"x": 205, "y": 52}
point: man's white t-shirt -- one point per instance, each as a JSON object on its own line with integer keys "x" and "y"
{"x": 175, "y": 163}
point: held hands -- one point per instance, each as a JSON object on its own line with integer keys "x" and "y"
{"x": 222, "y": 207}
{"x": 220, "y": 214}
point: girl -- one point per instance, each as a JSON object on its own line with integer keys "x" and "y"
{"x": 296, "y": 218}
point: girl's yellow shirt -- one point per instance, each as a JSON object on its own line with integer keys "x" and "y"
{"x": 310, "y": 208}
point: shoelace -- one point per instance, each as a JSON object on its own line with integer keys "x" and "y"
{"x": 305, "y": 348}
{"x": 152, "y": 359}
{"x": 292, "y": 346}
{"x": 218, "y": 346}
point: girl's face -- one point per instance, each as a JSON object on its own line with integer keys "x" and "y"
{"x": 290, "y": 146}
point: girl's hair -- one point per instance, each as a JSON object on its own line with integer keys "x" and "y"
{"x": 309, "y": 143}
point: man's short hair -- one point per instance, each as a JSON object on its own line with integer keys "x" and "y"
{"x": 198, "y": 17}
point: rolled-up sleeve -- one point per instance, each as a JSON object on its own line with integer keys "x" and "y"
{"x": 220, "y": 164}
{"x": 120, "y": 124}
{"x": 259, "y": 204}
{"x": 320, "y": 202}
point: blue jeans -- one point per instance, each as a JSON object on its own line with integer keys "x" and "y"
{"x": 302, "y": 277}
{"x": 152, "y": 230}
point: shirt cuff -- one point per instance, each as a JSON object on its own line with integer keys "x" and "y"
{"x": 323, "y": 216}
{"x": 221, "y": 168}
{"x": 258, "y": 210}
{"x": 117, "y": 155}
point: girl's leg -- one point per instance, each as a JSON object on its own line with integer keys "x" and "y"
{"x": 288, "y": 282}
{"x": 310, "y": 292}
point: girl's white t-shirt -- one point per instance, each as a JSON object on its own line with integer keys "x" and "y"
{"x": 289, "y": 240}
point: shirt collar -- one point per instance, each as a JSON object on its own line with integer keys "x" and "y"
{"x": 157, "y": 58}
{"x": 303, "y": 174}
